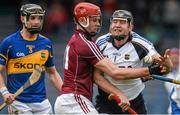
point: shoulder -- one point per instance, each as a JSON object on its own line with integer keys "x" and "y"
{"x": 88, "y": 43}
{"x": 10, "y": 38}
{"x": 136, "y": 38}
{"x": 85, "y": 46}
{"x": 45, "y": 39}
{"x": 103, "y": 39}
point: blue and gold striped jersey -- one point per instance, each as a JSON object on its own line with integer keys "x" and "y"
{"x": 20, "y": 56}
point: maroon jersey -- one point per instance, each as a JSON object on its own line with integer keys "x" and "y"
{"x": 80, "y": 56}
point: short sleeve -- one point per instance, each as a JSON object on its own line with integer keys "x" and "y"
{"x": 50, "y": 61}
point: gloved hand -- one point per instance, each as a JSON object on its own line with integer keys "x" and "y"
{"x": 155, "y": 69}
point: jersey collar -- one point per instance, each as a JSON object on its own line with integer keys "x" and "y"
{"x": 28, "y": 39}
{"x": 87, "y": 36}
{"x": 111, "y": 40}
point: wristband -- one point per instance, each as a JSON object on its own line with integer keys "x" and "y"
{"x": 4, "y": 90}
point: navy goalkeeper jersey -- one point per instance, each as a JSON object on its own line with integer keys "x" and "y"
{"x": 20, "y": 56}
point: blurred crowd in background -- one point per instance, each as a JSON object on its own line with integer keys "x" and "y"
{"x": 157, "y": 20}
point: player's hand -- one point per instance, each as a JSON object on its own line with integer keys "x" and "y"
{"x": 146, "y": 78}
{"x": 8, "y": 98}
{"x": 166, "y": 62}
{"x": 124, "y": 104}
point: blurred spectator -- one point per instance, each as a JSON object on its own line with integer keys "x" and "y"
{"x": 141, "y": 11}
{"x": 56, "y": 20}
{"x": 155, "y": 13}
{"x": 171, "y": 18}
{"x": 152, "y": 34}
{"x": 174, "y": 56}
{"x": 108, "y": 7}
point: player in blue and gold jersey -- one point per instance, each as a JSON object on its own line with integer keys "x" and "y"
{"x": 19, "y": 54}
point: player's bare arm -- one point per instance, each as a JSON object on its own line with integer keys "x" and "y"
{"x": 120, "y": 73}
{"x": 105, "y": 85}
{"x": 2, "y": 68}
{"x": 54, "y": 77}
{"x": 126, "y": 73}
{"x": 8, "y": 97}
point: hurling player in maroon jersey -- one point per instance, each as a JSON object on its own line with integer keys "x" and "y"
{"x": 81, "y": 56}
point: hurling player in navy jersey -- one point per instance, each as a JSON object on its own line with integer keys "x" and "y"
{"x": 81, "y": 57}
{"x": 20, "y": 52}
{"x": 126, "y": 49}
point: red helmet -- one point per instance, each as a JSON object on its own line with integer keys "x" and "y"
{"x": 85, "y": 9}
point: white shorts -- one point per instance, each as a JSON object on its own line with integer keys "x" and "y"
{"x": 18, "y": 107}
{"x": 73, "y": 104}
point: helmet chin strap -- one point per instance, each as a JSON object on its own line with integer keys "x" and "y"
{"x": 87, "y": 24}
{"x": 33, "y": 30}
{"x": 119, "y": 37}
{"x": 90, "y": 34}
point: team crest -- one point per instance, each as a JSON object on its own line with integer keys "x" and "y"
{"x": 83, "y": 10}
{"x": 30, "y": 48}
{"x": 43, "y": 56}
{"x": 127, "y": 56}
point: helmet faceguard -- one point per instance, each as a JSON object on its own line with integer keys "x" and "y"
{"x": 86, "y": 10}
{"x": 122, "y": 15}
{"x": 28, "y": 10}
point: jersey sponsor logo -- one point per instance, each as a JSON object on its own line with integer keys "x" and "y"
{"x": 26, "y": 65}
{"x": 117, "y": 54}
{"x": 20, "y": 54}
